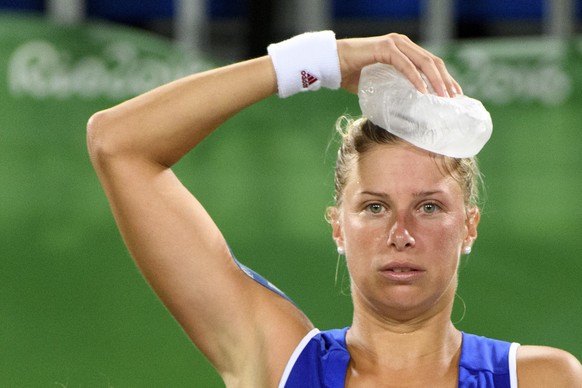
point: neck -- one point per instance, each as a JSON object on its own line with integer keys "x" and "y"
{"x": 404, "y": 343}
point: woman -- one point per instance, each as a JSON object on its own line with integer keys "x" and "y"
{"x": 403, "y": 217}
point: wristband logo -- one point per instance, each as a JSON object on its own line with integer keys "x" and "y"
{"x": 307, "y": 79}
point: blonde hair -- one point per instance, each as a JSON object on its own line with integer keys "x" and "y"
{"x": 361, "y": 135}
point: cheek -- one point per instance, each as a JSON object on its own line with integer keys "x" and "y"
{"x": 445, "y": 236}
{"x": 361, "y": 242}
{"x": 362, "y": 234}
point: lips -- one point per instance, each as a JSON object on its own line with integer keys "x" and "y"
{"x": 402, "y": 272}
{"x": 401, "y": 267}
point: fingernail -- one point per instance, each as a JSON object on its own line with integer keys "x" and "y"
{"x": 444, "y": 92}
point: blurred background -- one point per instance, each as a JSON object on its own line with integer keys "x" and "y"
{"x": 74, "y": 310}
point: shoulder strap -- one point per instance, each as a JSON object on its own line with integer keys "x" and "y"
{"x": 295, "y": 355}
{"x": 513, "y": 364}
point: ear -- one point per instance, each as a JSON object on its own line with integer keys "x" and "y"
{"x": 471, "y": 222}
{"x": 336, "y": 227}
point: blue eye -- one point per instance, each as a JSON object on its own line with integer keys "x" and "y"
{"x": 375, "y": 208}
{"x": 430, "y": 208}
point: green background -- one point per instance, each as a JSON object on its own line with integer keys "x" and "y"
{"x": 74, "y": 310}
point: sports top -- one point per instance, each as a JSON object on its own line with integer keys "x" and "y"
{"x": 321, "y": 360}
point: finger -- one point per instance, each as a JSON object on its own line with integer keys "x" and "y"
{"x": 430, "y": 65}
{"x": 391, "y": 53}
{"x": 403, "y": 64}
{"x": 458, "y": 88}
{"x": 435, "y": 71}
{"x": 452, "y": 86}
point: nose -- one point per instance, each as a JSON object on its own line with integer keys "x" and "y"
{"x": 400, "y": 237}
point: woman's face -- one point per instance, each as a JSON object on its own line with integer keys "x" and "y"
{"x": 403, "y": 225}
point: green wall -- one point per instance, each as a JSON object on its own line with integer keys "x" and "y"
{"x": 76, "y": 312}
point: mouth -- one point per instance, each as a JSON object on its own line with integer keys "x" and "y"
{"x": 402, "y": 272}
{"x": 401, "y": 266}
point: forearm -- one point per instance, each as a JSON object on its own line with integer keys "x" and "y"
{"x": 164, "y": 124}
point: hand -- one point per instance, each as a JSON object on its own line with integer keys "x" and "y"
{"x": 399, "y": 51}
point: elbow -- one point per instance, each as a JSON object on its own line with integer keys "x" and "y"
{"x": 100, "y": 140}
{"x": 92, "y": 133}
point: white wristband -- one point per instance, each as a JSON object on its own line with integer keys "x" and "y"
{"x": 306, "y": 62}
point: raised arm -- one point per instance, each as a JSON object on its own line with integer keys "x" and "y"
{"x": 173, "y": 240}
{"x": 164, "y": 124}
{"x": 246, "y": 331}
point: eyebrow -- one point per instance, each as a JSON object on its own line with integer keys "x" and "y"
{"x": 374, "y": 193}
{"x": 422, "y": 194}
{"x": 419, "y": 194}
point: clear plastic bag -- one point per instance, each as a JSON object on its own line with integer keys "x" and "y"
{"x": 458, "y": 126}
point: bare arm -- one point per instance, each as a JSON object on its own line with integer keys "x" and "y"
{"x": 540, "y": 366}
{"x": 171, "y": 237}
{"x": 247, "y": 332}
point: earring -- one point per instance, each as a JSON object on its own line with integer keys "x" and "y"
{"x": 341, "y": 251}
{"x": 467, "y": 250}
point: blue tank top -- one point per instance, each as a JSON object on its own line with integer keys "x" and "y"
{"x": 321, "y": 360}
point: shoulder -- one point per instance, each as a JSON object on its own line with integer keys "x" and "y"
{"x": 321, "y": 359}
{"x": 541, "y": 366}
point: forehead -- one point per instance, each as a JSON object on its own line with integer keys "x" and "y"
{"x": 401, "y": 168}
